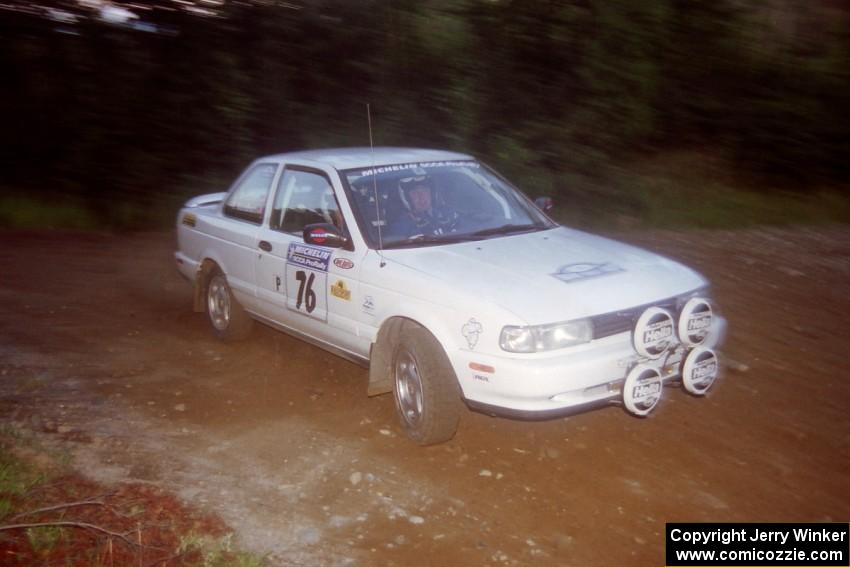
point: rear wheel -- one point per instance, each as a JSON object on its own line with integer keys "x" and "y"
{"x": 425, "y": 388}
{"x": 229, "y": 321}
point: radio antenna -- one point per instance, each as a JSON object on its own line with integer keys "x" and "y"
{"x": 379, "y": 222}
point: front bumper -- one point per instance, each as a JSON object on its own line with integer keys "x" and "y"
{"x": 545, "y": 385}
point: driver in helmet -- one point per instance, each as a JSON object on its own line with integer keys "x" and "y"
{"x": 421, "y": 215}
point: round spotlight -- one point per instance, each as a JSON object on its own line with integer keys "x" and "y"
{"x": 642, "y": 390}
{"x": 695, "y": 321}
{"x": 653, "y": 333}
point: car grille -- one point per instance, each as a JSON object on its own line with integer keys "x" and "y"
{"x": 616, "y": 322}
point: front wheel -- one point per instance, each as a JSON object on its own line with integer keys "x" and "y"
{"x": 425, "y": 388}
{"x": 229, "y": 321}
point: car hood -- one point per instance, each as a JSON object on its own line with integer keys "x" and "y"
{"x": 553, "y": 275}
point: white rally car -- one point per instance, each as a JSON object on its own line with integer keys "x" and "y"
{"x": 449, "y": 284}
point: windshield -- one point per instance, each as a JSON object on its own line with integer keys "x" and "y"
{"x": 428, "y": 203}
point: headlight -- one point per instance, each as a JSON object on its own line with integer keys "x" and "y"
{"x": 545, "y": 337}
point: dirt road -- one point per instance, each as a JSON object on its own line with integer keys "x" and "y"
{"x": 100, "y": 351}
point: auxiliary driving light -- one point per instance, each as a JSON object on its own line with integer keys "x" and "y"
{"x": 642, "y": 390}
{"x": 695, "y": 321}
{"x": 699, "y": 370}
{"x": 653, "y": 332}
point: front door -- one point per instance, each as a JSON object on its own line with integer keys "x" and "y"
{"x": 310, "y": 289}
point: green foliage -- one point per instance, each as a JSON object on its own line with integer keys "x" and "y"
{"x": 38, "y": 212}
{"x": 121, "y": 122}
{"x": 683, "y": 191}
{"x": 218, "y": 552}
{"x": 16, "y": 478}
{"x": 44, "y": 539}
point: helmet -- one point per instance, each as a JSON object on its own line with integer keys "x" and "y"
{"x": 408, "y": 184}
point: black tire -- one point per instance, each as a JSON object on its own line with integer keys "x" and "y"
{"x": 426, "y": 392}
{"x": 228, "y": 319}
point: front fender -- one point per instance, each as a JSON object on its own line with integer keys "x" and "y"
{"x": 455, "y": 328}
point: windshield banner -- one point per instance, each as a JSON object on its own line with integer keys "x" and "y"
{"x": 414, "y": 166}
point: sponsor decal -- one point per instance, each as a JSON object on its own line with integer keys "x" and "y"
{"x": 189, "y": 219}
{"x": 695, "y": 321}
{"x": 471, "y": 330}
{"x": 699, "y": 370}
{"x": 653, "y": 333}
{"x": 584, "y": 270}
{"x": 308, "y": 256}
{"x": 368, "y": 305}
{"x": 343, "y": 263}
{"x": 340, "y": 290}
{"x": 319, "y": 235}
{"x": 417, "y": 165}
{"x": 642, "y": 390}
{"x": 480, "y": 378}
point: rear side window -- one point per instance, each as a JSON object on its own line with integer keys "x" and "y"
{"x": 247, "y": 201}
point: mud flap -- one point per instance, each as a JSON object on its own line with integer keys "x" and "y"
{"x": 381, "y": 358}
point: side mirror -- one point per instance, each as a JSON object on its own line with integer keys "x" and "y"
{"x": 325, "y": 234}
{"x": 545, "y": 204}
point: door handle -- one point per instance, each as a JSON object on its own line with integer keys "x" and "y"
{"x": 265, "y": 246}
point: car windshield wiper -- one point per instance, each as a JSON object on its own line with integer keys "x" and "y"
{"x": 505, "y": 229}
{"x": 426, "y": 239}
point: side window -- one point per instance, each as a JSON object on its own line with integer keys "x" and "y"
{"x": 304, "y": 197}
{"x": 248, "y": 199}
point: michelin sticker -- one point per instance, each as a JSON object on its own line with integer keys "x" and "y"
{"x": 584, "y": 270}
{"x": 418, "y": 166}
{"x": 311, "y": 257}
{"x": 471, "y": 330}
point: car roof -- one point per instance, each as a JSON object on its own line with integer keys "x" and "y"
{"x": 357, "y": 157}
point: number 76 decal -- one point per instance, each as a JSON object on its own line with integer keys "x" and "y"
{"x": 306, "y": 292}
{"x": 306, "y": 296}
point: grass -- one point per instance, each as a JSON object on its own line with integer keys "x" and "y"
{"x": 22, "y": 211}
{"x": 16, "y": 477}
{"x": 687, "y": 191}
{"x": 665, "y": 203}
{"x": 53, "y": 516}
{"x": 45, "y": 539}
{"x": 674, "y": 190}
{"x": 217, "y": 551}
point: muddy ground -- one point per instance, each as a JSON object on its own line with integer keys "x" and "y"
{"x": 101, "y": 352}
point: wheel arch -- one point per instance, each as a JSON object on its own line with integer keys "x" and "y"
{"x": 205, "y": 269}
{"x": 381, "y": 355}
